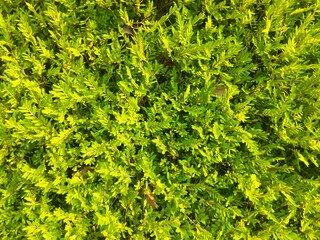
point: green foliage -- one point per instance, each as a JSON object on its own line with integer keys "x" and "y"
{"x": 159, "y": 120}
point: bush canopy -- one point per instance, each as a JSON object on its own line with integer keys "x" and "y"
{"x": 140, "y": 119}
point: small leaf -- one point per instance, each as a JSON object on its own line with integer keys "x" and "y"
{"x": 128, "y": 30}
{"x": 219, "y": 91}
{"x": 199, "y": 130}
{"x": 186, "y": 94}
{"x": 301, "y": 10}
{"x": 83, "y": 171}
{"x": 254, "y": 181}
{"x": 302, "y": 158}
{"x": 150, "y": 199}
{"x": 125, "y": 86}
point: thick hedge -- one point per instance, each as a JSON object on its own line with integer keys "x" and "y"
{"x": 159, "y": 120}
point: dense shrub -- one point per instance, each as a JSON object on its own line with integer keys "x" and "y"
{"x": 159, "y": 120}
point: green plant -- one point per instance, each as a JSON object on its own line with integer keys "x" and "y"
{"x": 159, "y": 120}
